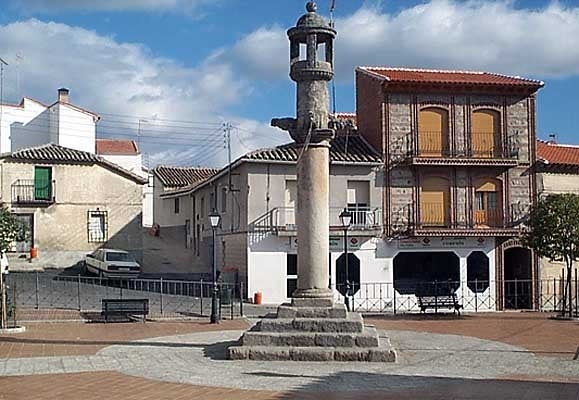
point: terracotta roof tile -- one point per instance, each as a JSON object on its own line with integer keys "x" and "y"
{"x": 178, "y": 177}
{"x": 345, "y": 149}
{"x": 449, "y": 77}
{"x": 114, "y": 146}
{"x": 53, "y": 153}
{"x": 552, "y": 153}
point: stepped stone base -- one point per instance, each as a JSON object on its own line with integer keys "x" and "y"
{"x": 313, "y": 330}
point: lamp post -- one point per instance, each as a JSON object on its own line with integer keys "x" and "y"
{"x": 346, "y": 220}
{"x": 214, "y": 220}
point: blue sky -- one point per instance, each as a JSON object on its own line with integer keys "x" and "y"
{"x": 210, "y": 61}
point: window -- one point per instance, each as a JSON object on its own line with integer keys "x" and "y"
{"x": 224, "y": 200}
{"x": 118, "y": 256}
{"x": 435, "y": 201}
{"x": 177, "y": 205}
{"x": 433, "y": 132}
{"x": 358, "y": 198}
{"x": 42, "y": 183}
{"x": 292, "y": 274}
{"x": 488, "y": 210}
{"x": 477, "y": 271}
{"x": 97, "y": 226}
{"x": 486, "y": 135}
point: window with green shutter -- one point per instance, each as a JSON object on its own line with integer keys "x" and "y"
{"x": 42, "y": 183}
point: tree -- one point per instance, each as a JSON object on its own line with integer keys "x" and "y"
{"x": 553, "y": 232}
{"x": 10, "y": 230}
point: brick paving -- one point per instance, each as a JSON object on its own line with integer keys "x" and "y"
{"x": 537, "y": 332}
{"x": 115, "y": 386}
{"x": 76, "y": 338}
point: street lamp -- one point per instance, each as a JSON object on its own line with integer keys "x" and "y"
{"x": 214, "y": 220}
{"x": 346, "y": 220}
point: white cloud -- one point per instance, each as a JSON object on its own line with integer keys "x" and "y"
{"x": 107, "y": 5}
{"x": 481, "y": 35}
{"x": 110, "y": 77}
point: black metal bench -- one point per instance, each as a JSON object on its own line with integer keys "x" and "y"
{"x": 126, "y": 307}
{"x": 436, "y": 296}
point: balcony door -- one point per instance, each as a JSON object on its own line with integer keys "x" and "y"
{"x": 433, "y": 132}
{"x": 488, "y": 210}
{"x": 42, "y": 183}
{"x": 358, "y": 198}
{"x": 435, "y": 201}
{"x": 486, "y": 134}
{"x": 291, "y": 196}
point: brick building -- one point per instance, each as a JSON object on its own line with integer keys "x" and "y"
{"x": 458, "y": 149}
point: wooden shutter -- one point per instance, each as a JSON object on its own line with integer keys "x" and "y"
{"x": 435, "y": 201}
{"x": 485, "y": 133}
{"x": 433, "y": 132}
{"x": 42, "y": 183}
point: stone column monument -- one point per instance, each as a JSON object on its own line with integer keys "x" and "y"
{"x": 312, "y": 327}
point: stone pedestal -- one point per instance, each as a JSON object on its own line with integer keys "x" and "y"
{"x": 313, "y": 330}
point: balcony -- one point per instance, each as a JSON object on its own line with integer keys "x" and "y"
{"x": 434, "y": 148}
{"x": 282, "y": 220}
{"x": 435, "y": 221}
{"x": 31, "y": 192}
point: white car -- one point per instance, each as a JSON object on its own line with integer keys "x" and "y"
{"x": 112, "y": 263}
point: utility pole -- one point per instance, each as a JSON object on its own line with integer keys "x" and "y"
{"x": 227, "y": 135}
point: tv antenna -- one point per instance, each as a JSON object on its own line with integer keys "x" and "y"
{"x": 332, "y": 8}
{"x": 2, "y": 64}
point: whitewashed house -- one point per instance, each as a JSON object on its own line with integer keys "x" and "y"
{"x": 32, "y": 123}
{"x": 256, "y": 198}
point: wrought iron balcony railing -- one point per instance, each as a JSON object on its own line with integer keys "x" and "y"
{"x": 30, "y": 191}
{"x": 284, "y": 219}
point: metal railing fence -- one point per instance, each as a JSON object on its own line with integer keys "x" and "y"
{"x": 167, "y": 298}
{"x": 474, "y": 296}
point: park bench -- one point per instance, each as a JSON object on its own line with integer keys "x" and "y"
{"x": 436, "y": 296}
{"x": 126, "y": 307}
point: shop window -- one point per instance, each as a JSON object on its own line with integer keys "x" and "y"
{"x": 477, "y": 272}
{"x": 413, "y": 270}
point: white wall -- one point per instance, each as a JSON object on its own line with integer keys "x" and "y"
{"x": 14, "y": 122}
{"x": 76, "y": 129}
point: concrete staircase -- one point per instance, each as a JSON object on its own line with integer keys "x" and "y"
{"x": 323, "y": 332}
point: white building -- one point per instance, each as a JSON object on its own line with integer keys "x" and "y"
{"x": 32, "y": 123}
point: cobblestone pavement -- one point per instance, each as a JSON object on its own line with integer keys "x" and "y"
{"x": 187, "y": 361}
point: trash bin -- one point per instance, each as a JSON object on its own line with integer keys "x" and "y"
{"x": 257, "y": 298}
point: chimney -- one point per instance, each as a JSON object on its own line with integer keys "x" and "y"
{"x": 552, "y": 138}
{"x": 63, "y": 95}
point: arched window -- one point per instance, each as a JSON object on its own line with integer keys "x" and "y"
{"x": 435, "y": 201}
{"x": 486, "y": 134}
{"x": 488, "y": 207}
{"x": 433, "y": 132}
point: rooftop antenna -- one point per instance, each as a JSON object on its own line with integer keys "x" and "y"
{"x": 332, "y": 8}
{"x": 332, "y": 25}
{"x": 19, "y": 58}
{"x": 2, "y": 64}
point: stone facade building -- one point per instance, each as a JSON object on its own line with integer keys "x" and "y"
{"x": 71, "y": 202}
{"x": 458, "y": 149}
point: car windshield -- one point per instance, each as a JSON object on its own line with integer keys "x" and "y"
{"x": 116, "y": 256}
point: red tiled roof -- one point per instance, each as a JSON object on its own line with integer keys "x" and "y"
{"x": 114, "y": 146}
{"x": 178, "y": 177}
{"x": 559, "y": 154}
{"x": 449, "y": 77}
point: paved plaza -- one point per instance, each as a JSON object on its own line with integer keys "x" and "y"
{"x": 506, "y": 355}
